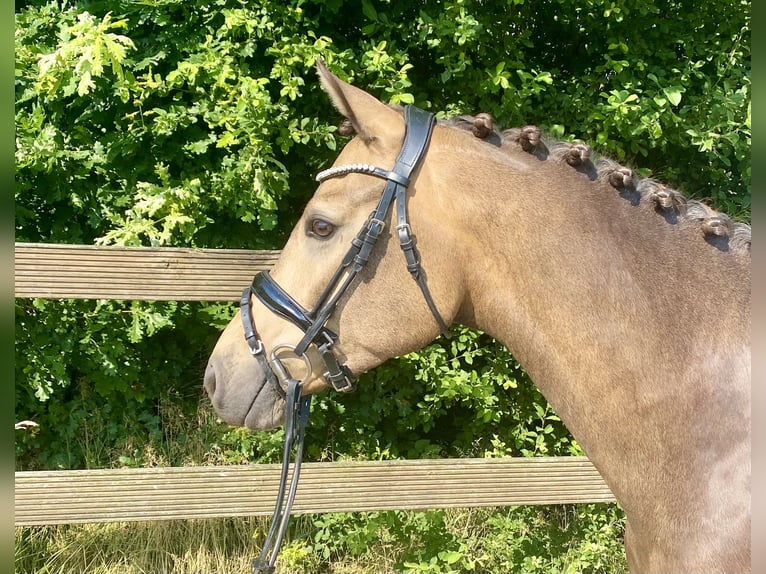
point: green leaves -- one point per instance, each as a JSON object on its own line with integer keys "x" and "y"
{"x": 202, "y": 124}
{"x": 674, "y": 94}
{"x": 190, "y": 99}
{"x": 226, "y": 96}
{"x": 84, "y": 50}
{"x": 190, "y": 123}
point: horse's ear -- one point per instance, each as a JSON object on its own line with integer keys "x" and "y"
{"x": 370, "y": 118}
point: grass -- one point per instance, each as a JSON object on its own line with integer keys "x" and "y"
{"x": 223, "y": 545}
{"x": 178, "y": 547}
{"x": 527, "y": 540}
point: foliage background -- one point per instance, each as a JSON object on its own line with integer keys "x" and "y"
{"x": 189, "y": 123}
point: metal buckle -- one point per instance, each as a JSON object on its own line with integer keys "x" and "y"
{"x": 255, "y": 348}
{"x": 374, "y": 221}
{"x": 346, "y": 385}
{"x": 404, "y": 227}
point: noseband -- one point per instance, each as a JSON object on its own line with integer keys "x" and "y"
{"x": 419, "y": 126}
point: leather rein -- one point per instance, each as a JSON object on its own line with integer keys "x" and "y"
{"x": 419, "y": 126}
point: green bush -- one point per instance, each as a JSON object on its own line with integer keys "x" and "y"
{"x": 190, "y": 123}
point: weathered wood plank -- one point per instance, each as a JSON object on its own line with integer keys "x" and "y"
{"x": 67, "y": 497}
{"x": 55, "y": 271}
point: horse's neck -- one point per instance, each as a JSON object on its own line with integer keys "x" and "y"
{"x": 622, "y": 319}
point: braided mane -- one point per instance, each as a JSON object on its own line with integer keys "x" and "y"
{"x": 717, "y": 228}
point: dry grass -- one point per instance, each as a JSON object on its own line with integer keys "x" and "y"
{"x": 180, "y": 547}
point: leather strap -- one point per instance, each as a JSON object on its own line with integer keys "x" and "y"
{"x": 278, "y": 301}
{"x": 297, "y": 409}
{"x": 254, "y": 341}
{"x": 410, "y": 156}
{"x": 420, "y": 125}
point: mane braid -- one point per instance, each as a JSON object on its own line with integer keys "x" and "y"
{"x": 717, "y": 228}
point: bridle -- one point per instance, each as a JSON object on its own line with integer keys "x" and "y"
{"x": 419, "y": 126}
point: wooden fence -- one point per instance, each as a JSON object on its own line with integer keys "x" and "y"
{"x": 111, "y": 495}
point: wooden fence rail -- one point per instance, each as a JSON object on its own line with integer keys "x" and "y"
{"x": 52, "y": 271}
{"x": 66, "y": 497}
{"x": 112, "y": 495}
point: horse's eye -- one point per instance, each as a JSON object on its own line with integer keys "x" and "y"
{"x": 321, "y": 228}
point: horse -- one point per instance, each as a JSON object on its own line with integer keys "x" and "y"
{"x": 627, "y": 304}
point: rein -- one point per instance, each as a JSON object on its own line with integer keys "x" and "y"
{"x": 419, "y": 126}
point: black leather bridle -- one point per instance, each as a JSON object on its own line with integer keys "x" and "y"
{"x": 419, "y": 126}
